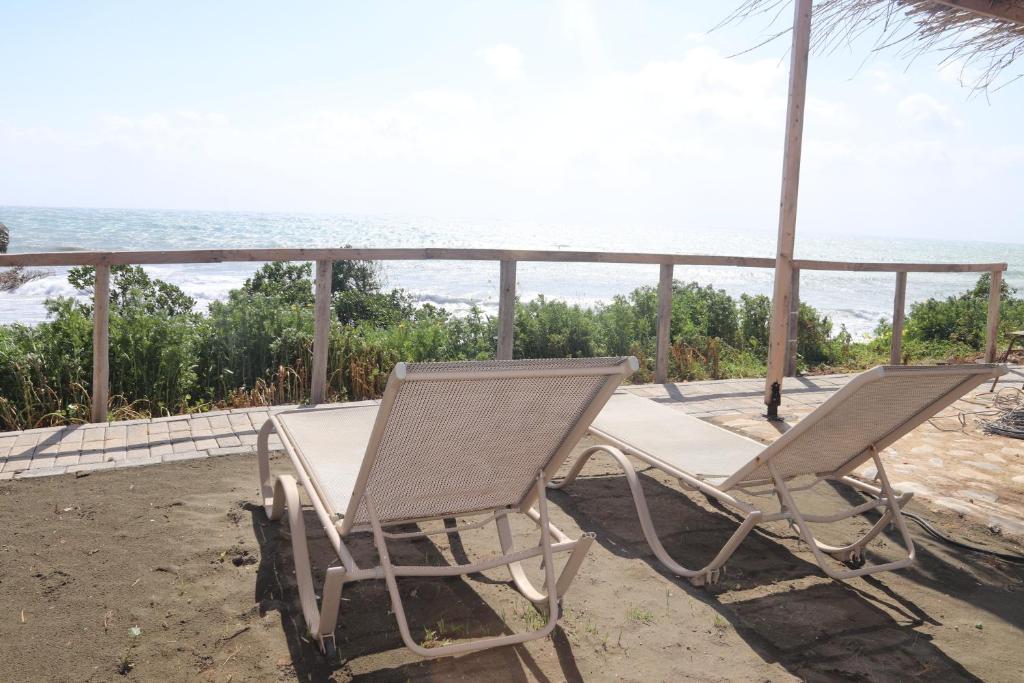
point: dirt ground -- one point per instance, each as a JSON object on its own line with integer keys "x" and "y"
{"x": 170, "y": 573}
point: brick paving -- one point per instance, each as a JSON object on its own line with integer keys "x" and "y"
{"x": 83, "y": 448}
{"x": 957, "y": 468}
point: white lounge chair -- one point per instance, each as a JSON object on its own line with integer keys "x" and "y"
{"x": 871, "y": 412}
{"x": 465, "y": 439}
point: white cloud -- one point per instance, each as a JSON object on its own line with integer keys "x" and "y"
{"x": 882, "y": 80}
{"x": 924, "y": 109}
{"x": 580, "y": 25}
{"x": 695, "y": 140}
{"x": 506, "y": 61}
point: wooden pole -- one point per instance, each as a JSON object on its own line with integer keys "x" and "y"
{"x": 788, "y": 203}
{"x": 506, "y": 310}
{"x": 664, "y": 323}
{"x": 994, "y": 298}
{"x": 101, "y": 344}
{"x": 321, "y": 331}
{"x": 899, "y": 309}
{"x": 793, "y": 328}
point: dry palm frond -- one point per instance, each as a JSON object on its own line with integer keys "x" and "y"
{"x": 985, "y": 46}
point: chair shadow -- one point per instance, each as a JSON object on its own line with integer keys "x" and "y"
{"x": 366, "y": 625}
{"x": 952, "y": 571}
{"x": 820, "y": 632}
{"x": 691, "y": 534}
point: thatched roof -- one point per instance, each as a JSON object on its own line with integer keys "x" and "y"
{"x": 984, "y": 36}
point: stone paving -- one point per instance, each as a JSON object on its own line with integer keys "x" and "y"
{"x": 953, "y": 466}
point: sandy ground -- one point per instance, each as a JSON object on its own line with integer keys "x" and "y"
{"x": 180, "y": 553}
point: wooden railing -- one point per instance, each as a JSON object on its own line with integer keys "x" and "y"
{"x": 508, "y": 258}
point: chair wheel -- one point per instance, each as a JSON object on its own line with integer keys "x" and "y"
{"x": 855, "y": 560}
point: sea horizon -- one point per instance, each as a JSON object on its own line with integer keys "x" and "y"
{"x": 854, "y": 300}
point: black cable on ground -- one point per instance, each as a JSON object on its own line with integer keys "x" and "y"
{"x": 1010, "y": 423}
{"x": 926, "y": 525}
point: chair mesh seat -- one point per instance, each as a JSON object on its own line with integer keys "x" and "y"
{"x": 654, "y": 432}
{"x": 493, "y": 436}
{"x": 450, "y": 438}
{"x": 856, "y": 419}
{"x": 524, "y": 364}
{"x": 331, "y": 443}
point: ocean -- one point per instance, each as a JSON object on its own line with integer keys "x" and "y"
{"x": 856, "y": 300}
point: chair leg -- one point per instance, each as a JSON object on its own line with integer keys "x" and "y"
{"x": 708, "y": 574}
{"x": 320, "y": 621}
{"x": 519, "y": 578}
{"x": 263, "y": 463}
{"x": 460, "y": 648}
{"x": 853, "y": 551}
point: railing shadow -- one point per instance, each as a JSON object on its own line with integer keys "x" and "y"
{"x": 823, "y": 630}
{"x": 449, "y": 607}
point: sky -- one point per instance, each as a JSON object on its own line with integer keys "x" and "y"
{"x": 607, "y": 113}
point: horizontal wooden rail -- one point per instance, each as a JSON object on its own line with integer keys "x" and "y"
{"x": 116, "y": 258}
{"x": 508, "y": 258}
{"x": 854, "y": 266}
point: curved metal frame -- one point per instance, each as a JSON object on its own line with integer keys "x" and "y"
{"x": 280, "y": 495}
{"x": 752, "y": 516}
{"x": 709, "y": 573}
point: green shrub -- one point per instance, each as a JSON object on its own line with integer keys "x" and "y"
{"x": 555, "y": 329}
{"x": 961, "y": 321}
{"x": 255, "y": 347}
{"x": 755, "y": 323}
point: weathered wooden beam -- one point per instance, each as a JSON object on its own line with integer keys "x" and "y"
{"x": 788, "y": 203}
{"x": 793, "y": 328}
{"x": 96, "y": 258}
{"x": 899, "y": 312}
{"x": 864, "y": 267}
{"x": 347, "y": 254}
{"x": 321, "y": 330}
{"x": 664, "y": 324}
{"x": 506, "y": 310}
{"x": 101, "y": 344}
{"x": 992, "y": 331}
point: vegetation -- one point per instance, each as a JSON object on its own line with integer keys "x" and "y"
{"x": 255, "y": 348}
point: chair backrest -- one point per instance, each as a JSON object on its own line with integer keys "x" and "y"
{"x": 874, "y": 409}
{"x": 458, "y": 438}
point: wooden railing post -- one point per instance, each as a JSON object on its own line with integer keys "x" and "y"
{"x": 793, "y": 328}
{"x": 664, "y": 323}
{"x": 101, "y": 344}
{"x": 899, "y": 312}
{"x": 506, "y": 310}
{"x": 321, "y": 331}
{"x": 994, "y": 298}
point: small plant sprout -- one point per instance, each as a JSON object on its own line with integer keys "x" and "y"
{"x": 640, "y": 615}
{"x": 126, "y": 662}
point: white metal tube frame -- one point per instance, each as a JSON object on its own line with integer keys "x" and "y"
{"x": 751, "y": 516}
{"x": 280, "y": 496}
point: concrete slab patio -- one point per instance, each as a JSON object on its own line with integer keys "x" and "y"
{"x": 949, "y": 461}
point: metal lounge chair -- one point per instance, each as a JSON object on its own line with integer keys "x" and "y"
{"x": 468, "y": 439}
{"x": 853, "y": 426}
